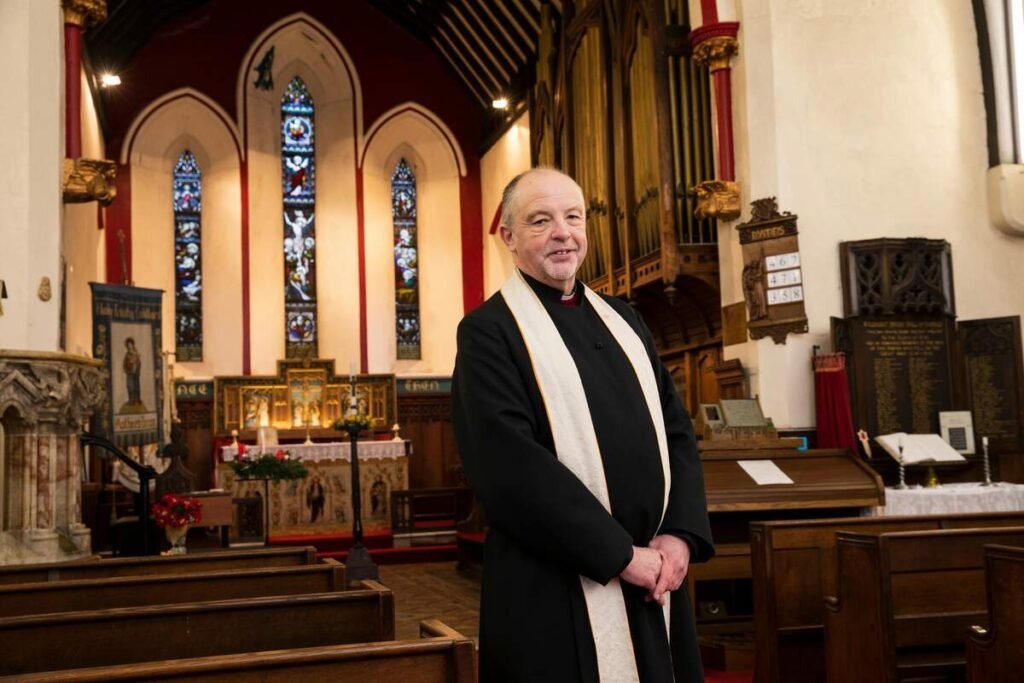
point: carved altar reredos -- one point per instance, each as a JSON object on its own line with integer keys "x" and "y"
{"x": 304, "y": 393}
{"x": 44, "y": 398}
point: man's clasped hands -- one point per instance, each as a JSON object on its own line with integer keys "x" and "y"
{"x": 660, "y": 567}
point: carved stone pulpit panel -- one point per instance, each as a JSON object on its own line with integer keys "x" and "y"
{"x": 44, "y": 398}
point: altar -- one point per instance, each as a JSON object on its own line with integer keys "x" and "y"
{"x": 947, "y": 499}
{"x": 322, "y": 502}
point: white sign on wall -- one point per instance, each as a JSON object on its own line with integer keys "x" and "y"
{"x": 782, "y": 261}
{"x": 785, "y": 295}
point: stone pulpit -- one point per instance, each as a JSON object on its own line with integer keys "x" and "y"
{"x": 44, "y": 398}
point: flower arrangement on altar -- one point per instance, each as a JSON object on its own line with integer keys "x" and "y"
{"x": 176, "y": 511}
{"x": 352, "y": 422}
{"x": 276, "y": 466}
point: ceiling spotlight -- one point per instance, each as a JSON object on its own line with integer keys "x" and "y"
{"x": 110, "y": 80}
{"x": 500, "y": 103}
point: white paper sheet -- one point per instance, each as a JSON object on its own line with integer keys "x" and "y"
{"x": 764, "y": 472}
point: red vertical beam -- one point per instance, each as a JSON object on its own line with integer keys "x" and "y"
{"x": 72, "y": 90}
{"x": 361, "y": 246}
{"x": 470, "y": 208}
{"x": 119, "y": 229}
{"x": 722, "y": 79}
{"x": 243, "y": 180}
{"x": 118, "y": 232}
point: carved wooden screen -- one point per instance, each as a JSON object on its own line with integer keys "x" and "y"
{"x": 693, "y": 153}
{"x": 644, "y": 148}
{"x": 589, "y": 107}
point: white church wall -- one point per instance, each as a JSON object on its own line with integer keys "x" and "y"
{"x": 187, "y": 120}
{"x": 303, "y": 48}
{"x": 83, "y": 243}
{"x": 867, "y": 120}
{"x": 417, "y": 135}
{"x": 31, "y": 50}
{"x": 509, "y": 156}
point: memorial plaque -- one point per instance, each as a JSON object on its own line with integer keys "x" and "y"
{"x": 901, "y": 371}
{"x": 991, "y": 351}
{"x": 772, "y": 280}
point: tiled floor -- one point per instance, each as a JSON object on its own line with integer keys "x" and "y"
{"x": 433, "y": 590}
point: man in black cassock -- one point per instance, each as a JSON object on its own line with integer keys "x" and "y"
{"x": 559, "y": 535}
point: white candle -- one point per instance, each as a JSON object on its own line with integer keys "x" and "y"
{"x": 352, "y": 371}
{"x": 984, "y": 441}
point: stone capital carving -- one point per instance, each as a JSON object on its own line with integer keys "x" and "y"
{"x": 715, "y": 52}
{"x": 84, "y": 12}
{"x": 87, "y": 180}
{"x": 718, "y": 199}
{"x": 50, "y": 387}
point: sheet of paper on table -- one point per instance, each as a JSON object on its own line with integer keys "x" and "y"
{"x": 918, "y": 448}
{"x": 764, "y": 472}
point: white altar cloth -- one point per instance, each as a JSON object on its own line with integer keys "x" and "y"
{"x": 337, "y": 450}
{"x": 952, "y": 498}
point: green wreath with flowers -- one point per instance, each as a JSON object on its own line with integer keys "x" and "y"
{"x": 350, "y": 423}
{"x": 277, "y": 466}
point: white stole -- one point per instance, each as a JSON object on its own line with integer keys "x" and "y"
{"x": 576, "y": 446}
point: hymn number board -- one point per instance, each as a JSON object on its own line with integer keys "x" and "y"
{"x": 773, "y": 284}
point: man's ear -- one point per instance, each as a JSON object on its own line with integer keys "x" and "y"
{"x": 507, "y": 237}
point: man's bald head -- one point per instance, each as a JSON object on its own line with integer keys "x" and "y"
{"x": 510, "y": 195}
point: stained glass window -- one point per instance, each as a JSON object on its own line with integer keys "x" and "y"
{"x": 299, "y": 178}
{"x": 407, "y": 281}
{"x": 188, "y": 282}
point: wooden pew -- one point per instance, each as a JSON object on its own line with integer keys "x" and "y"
{"x": 793, "y": 564}
{"x": 180, "y": 564}
{"x": 22, "y": 599}
{"x": 904, "y": 602}
{"x": 72, "y": 640}
{"x": 442, "y": 655}
{"x": 997, "y": 653}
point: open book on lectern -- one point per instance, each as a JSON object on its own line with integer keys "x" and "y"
{"x": 918, "y": 448}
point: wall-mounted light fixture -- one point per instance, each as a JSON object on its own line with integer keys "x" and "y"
{"x": 109, "y": 80}
{"x": 500, "y": 103}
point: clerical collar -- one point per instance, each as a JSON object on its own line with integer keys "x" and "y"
{"x": 549, "y": 293}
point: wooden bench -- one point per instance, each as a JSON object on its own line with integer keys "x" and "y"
{"x": 997, "y": 653}
{"x": 794, "y": 567}
{"x": 73, "y": 640}
{"x": 442, "y": 655}
{"x": 420, "y": 510}
{"x": 181, "y": 564}
{"x": 905, "y": 600}
{"x": 137, "y": 591}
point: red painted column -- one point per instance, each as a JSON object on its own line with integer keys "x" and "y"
{"x": 72, "y": 90}
{"x": 714, "y": 45}
{"x": 722, "y": 79}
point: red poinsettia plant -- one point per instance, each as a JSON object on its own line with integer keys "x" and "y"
{"x": 177, "y": 511}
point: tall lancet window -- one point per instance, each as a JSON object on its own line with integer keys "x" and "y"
{"x": 299, "y": 176}
{"x": 407, "y": 281}
{"x": 188, "y": 263}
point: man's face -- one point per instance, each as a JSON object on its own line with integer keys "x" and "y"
{"x": 548, "y": 237}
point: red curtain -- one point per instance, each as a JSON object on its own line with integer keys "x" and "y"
{"x": 832, "y": 402}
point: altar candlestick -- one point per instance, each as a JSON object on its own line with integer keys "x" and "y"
{"x": 985, "y": 462}
{"x": 903, "y": 469}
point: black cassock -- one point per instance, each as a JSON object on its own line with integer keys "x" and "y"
{"x": 546, "y": 528}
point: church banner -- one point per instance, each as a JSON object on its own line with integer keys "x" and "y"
{"x": 126, "y": 329}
